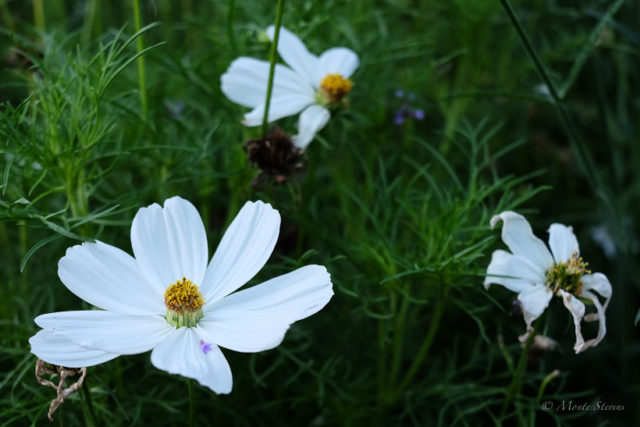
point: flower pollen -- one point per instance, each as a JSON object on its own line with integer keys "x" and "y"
{"x": 334, "y": 87}
{"x": 567, "y": 275}
{"x": 184, "y": 303}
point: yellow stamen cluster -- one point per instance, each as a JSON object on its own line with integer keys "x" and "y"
{"x": 184, "y": 303}
{"x": 568, "y": 275}
{"x": 335, "y": 87}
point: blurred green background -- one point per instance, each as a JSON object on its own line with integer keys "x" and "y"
{"x": 399, "y": 213}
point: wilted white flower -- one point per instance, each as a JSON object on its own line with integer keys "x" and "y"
{"x": 537, "y": 274}
{"x": 168, "y": 300}
{"x": 310, "y": 84}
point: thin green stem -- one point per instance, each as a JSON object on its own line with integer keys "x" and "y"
{"x": 38, "y": 14}
{"x": 91, "y": 416}
{"x": 578, "y": 144}
{"x": 272, "y": 66}
{"x": 522, "y": 363}
{"x": 192, "y": 403}
{"x": 398, "y": 338}
{"x": 142, "y": 87}
{"x": 230, "y": 17}
{"x": 424, "y": 347}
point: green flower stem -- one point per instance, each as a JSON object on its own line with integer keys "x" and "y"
{"x": 522, "y": 363}
{"x": 192, "y": 403}
{"x": 592, "y": 175}
{"x": 425, "y": 346}
{"x": 272, "y": 67}
{"x": 139, "y": 48}
{"x": 38, "y": 14}
{"x": 91, "y": 416}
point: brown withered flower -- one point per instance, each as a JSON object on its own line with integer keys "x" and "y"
{"x": 43, "y": 368}
{"x": 275, "y": 156}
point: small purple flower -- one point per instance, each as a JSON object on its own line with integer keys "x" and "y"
{"x": 398, "y": 119}
{"x": 205, "y": 346}
{"x": 406, "y": 112}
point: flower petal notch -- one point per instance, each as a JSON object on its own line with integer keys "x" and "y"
{"x": 167, "y": 300}
{"x": 537, "y": 274}
{"x": 308, "y": 83}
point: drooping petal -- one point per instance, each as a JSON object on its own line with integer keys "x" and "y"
{"x": 170, "y": 243}
{"x": 602, "y": 326}
{"x": 109, "y": 278}
{"x": 521, "y": 273}
{"x": 243, "y": 251}
{"x": 598, "y": 282}
{"x": 183, "y": 353}
{"x": 257, "y": 318}
{"x": 310, "y": 122}
{"x": 296, "y": 55}
{"x": 107, "y": 331}
{"x": 58, "y": 350}
{"x": 563, "y": 242}
{"x": 576, "y": 307}
{"x": 518, "y": 236}
{"x": 534, "y": 300}
{"x": 280, "y": 106}
{"x": 339, "y": 60}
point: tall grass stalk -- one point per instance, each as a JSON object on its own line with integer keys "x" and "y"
{"x": 142, "y": 84}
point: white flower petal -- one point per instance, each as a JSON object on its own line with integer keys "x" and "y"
{"x": 182, "y": 353}
{"x": 245, "y": 83}
{"x": 563, "y": 242}
{"x": 107, "y": 331}
{"x": 310, "y": 122}
{"x": 108, "y": 278}
{"x": 534, "y": 301}
{"x": 280, "y": 106}
{"x": 243, "y": 251}
{"x": 243, "y": 331}
{"x": 602, "y": 327}
{"x": 576, "y": 307}
{"x": 58, "y": 350}
{"x": 518, "y": 236}
{"x": 339, "y": 60}
{"x": 522, "y": 273}
{"x": 296, "y": 55}
{"x": 257, "y": 318}
{"x": 597, "y": 282}
{"x": 170, "y": 243}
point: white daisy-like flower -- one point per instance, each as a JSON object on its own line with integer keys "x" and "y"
{"x": 169, "y": 300}
{"x": 309, "y": 84}
{"x": 537, "y": 274}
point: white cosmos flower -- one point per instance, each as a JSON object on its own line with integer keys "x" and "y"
{"x": 168, "y": 300}
{"x": 309, "y": 84}
{"x": 537, "y": 274}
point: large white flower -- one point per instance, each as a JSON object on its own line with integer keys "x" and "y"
{"x": 168, "y": 300}
{"x": 537, "y": 274}
{"x": 310, "y": 84}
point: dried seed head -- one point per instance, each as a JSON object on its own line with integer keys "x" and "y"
{"x": 275, "y": 156}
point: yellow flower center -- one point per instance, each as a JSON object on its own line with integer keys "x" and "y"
{"x": 568, "y": 275}
{"x": 334, "y": 87}
{"x": 184, "y": 303}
